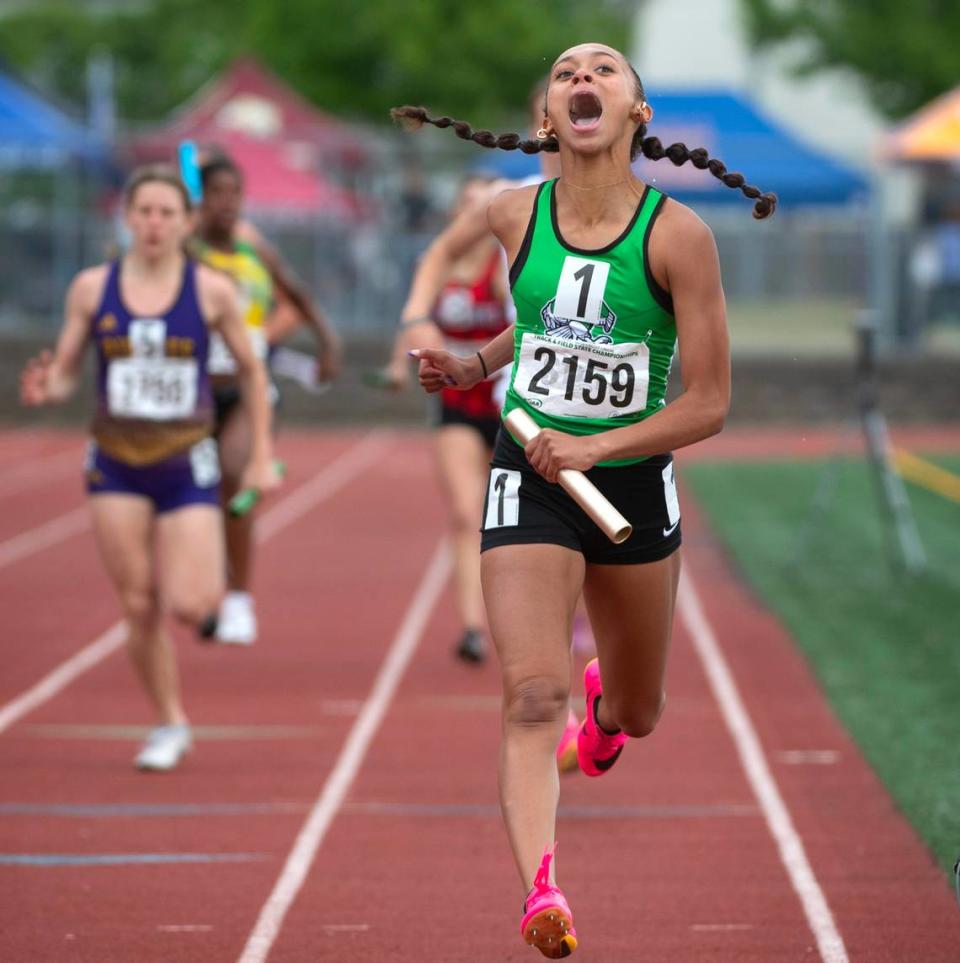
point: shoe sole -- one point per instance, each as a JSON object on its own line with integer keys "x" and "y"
{"x": 568, "y": 759}
{"x": 471, "y": 655}
{"x": 549, "y": 932}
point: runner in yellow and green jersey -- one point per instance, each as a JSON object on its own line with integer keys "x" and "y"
{"x": 233, "y": 246}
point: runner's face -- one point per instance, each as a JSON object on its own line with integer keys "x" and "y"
{"x": 157, "y": 218}
{"x": 591, "y": 101}
{"x": 222, "y": 200}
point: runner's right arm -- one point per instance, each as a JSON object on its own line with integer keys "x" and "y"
{"x": 417, "y": 328}
{"x": 507, "y": 216}
{"x": 52, "y": 377}
{"x": 441, "y": 369}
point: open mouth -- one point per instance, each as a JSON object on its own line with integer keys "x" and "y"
{"x": 585, "y": 109}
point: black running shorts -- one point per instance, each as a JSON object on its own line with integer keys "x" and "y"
{"x": 522, "y": 507}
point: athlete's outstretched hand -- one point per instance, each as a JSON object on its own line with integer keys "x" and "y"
{"x": 262, "y": 475}
{"x": 34, "y": 380}
{"x": 552, "y": 450}
{"x": 440, "y": 369}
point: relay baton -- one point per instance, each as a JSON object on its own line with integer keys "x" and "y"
{"x": 576, "y": 484}
{"x": 245, "y": 501}
{"x": 190, "y": 170}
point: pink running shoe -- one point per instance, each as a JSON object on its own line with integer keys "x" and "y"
{"x": 597, "y": 750}
{"x": 547, "y": 921}
{"x": 567, "y": 746}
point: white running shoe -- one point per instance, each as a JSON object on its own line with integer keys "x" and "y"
{"x": 237, "y": 622}
{"x": 164, "y": 748}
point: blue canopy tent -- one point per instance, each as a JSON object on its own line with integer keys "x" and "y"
{"x": 732, "y": 129}
{"x": 43, "y": 219}
{"x": 35, "y": 134}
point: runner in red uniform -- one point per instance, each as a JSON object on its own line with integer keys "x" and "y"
{"x": 470, "y": 308}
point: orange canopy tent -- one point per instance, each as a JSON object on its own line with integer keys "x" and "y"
{"x": 931, "y": 135}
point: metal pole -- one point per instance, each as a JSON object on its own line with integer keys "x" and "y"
{"x": 893, "y": 495}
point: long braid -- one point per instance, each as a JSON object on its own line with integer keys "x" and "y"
{"x": 679, "y": 154}
{"x": 413, "y": 118}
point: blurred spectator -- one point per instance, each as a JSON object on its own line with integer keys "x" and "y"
{"x": 935, "y": 270}
{"x": 416, "y": 210}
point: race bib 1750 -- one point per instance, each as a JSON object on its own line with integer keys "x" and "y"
{"x": 157, "y": 389}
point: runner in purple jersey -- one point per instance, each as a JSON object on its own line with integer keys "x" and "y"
{"x": 152, "y": 468}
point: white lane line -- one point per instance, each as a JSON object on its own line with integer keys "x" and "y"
{"x": 764, "y": 786}
{"x": 348, "y": 763}
{"x": 291, "y": 508}
{"x": 44, "y": 536}
{"x": 63, "y": 675}
{"x": 324, "y": 484}
{"x": 41, "y": 471}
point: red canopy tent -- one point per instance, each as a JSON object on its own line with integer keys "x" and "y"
{"x": 280, "y": 142}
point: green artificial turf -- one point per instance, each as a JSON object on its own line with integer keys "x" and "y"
{"x": 885, "y": 645}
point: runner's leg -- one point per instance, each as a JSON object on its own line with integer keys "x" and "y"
{"x": 463, "y": 462}
{"x": 190, "y": 554}
{"x": 631, "y": 611}
{"x": 530, "y": 592}
{"x": 123, "y": 526}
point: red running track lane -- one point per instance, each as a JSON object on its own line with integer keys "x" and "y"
{"x": 58, "y": 598}
{"x": 416, "y": 866}
{"x": 333, "y": 591}
{"x": 890, "y": 900}
{"x": 20, "y": 446}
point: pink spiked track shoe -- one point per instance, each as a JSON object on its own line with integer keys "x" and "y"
{"x": 547, "y": 922}
{"x": 597, "y": 750}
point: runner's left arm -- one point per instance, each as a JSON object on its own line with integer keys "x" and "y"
{"x": 292, "y": 288}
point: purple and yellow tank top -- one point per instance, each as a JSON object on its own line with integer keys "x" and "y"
{"x": 153, "y": 391}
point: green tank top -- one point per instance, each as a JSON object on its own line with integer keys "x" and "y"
{"x": 252, "y": 277}
{"x": 595, "y": 334}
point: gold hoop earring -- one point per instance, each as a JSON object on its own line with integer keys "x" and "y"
{"x": 542, "y": 134}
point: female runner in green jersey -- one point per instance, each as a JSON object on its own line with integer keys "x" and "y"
{"x": 608, "y": 276}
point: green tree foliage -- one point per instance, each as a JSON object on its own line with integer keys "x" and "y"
{"x": 352, "y": 57}
{"x": 907, "y": 53}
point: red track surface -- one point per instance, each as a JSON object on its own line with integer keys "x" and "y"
{"x": 666, "y": 858}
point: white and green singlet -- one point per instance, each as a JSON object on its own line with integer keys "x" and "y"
{"x": 595, "y": 334}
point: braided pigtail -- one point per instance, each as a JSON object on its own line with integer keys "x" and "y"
{"x": 678, "y": 154}
{"x": 413, "y": 118}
